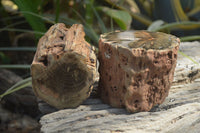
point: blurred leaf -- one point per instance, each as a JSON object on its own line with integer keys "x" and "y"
{"x": 39, "y": 16}
{"x": 156, "y": 24}
{"x": 91, "y": 34}
{"x": 31, "y": 6}
{"x": 163, "y": 10}
{"x": 122, "y": 18}
{"x": 196, "y": 3}
{"x": 132, "y": 6}
{"x": 24, "y": 30}
{"x": 17, "y": 48}
{"x": 187, "y": 5}
{"x": 9, "y": 6}
{"x": 57, "y": 10}
{"x": 178, "y": 10}
{"x": 89, "y": 14}
{"x": 169, "y": 11}
{"x": 62, "y": 19}
{"x": 90, "y": 10}
{"x": 194, "y": 13}
{"x": 12, "y": 25}
{"x": 100, "y": 21}
{"x": 190, "y": 38}
{"x": 139, "y": 17}
{"x": 4, "y": 59}
{"x": 177, "y": 25}
{"x": 19, "y": 85}
{"x": 15, "y": 66}
{"x": 147, "y": 6}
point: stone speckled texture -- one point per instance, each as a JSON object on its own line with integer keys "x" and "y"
{"x": 136, "y": 68}
{"x": 64, "y": 67}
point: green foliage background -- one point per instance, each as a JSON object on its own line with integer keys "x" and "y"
{"x": 178, "y": 17}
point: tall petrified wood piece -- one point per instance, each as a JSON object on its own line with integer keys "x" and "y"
{"x": 136, "y": 68}
{"x": 64, "y": 67}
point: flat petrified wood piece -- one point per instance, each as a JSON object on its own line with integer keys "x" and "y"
{"x": 64, "y": 67}
{"x": 136, "y": 68}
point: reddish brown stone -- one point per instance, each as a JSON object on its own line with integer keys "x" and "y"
{"x": 136, "y": 68}
{"x": 64, "y": 67}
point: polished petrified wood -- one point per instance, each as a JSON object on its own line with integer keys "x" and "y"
{"x": 136, "y": 68}
{"x": 64, "y": 67}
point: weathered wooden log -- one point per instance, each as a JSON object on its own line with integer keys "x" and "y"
{"x": 64, "y": 67}
{"x": 136, "y": 68}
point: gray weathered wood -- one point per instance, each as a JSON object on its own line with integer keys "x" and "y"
{"x": 186, "y": 71}
{"x": 180, "y": 113}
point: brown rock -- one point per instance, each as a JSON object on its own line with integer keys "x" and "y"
{"x": 136, "y": 68}
{"x": 64, "y": 67}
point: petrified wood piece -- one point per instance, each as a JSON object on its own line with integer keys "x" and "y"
{"x": 136, "y": 68}
{"x": 64, "y": 67}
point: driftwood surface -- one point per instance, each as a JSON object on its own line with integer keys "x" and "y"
{"x": 180, "y": 112}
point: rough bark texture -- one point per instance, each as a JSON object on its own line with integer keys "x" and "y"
{"x": 64, "y": 67}
{"x": 136, "y": 68}
{"x": 179, "y": 113}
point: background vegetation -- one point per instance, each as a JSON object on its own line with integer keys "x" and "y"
{"x": 23, "y": 22}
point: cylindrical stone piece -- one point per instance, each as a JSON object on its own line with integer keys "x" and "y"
{"x": 136, "y": 68}
{"x": 64, "y": 67}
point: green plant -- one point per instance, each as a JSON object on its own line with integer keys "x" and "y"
{"x": 174, "y": 14}
{"x": 27, "y": 8}
{"x": 98, "y": 17}
{"x": 21, "y": 84}
{"x": 122, "y": 18}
